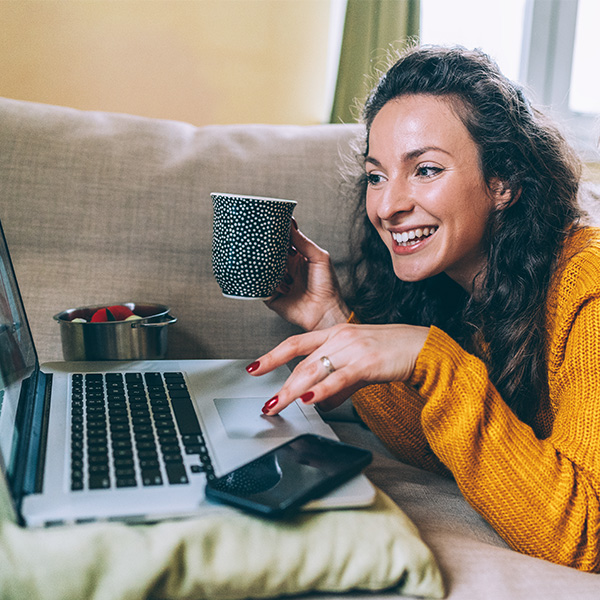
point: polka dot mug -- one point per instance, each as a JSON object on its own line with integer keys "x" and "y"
{"x": 251, "y": 237}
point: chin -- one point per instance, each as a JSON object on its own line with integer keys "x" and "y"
{"x": 413, "y": 276}
{"x": 410, "y": 278}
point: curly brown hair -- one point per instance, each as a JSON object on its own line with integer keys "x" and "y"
{"x": 520, "y": 147}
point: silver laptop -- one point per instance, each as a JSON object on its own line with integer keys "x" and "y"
{"x": 130, "y": 441}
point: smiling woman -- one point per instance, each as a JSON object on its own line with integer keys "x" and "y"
{"x": 473, "y": 344}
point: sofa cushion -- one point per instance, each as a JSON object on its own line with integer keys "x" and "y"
{"x": 224, "y": 555}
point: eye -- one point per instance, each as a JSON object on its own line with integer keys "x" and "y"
{"x": 374, "y": 179}
{"x": 428, "y": 171}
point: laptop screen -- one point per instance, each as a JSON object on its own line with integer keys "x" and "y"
{"x": 18, "y": 360}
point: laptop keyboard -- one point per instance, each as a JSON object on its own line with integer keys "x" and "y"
{"x": 132, "y": 429}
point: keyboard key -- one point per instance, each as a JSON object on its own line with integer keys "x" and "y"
{"x": 145, "y": 445}
{"x": 179, "y": 393}
{"x": 144, "y": 435}
{"x": 176, "y": 473}
{"x": 194, "y": 449}
{"x": 192, "y": 439}
{"x": 125, "y": 472}
{"x": 147, "y": 464}
{"x": 153, "y": 379}
{"x": 168, "y": 440}
{"x": 148, "y": 454}
{"x": 126, "y": 482}
{"x": 151, "y": 477}
{"x": 185, "y": 416}
{"x": 172, "y": 457}
{"x": 122, "y": 444}
{"x": 98, "y": 467}
{"x": 97, "y": 482}
{"x": 123, "y": 453}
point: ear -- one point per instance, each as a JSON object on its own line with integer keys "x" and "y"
{"x": 502, "y": 195}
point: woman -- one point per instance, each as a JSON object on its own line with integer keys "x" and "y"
{"x": 472, "y": 339}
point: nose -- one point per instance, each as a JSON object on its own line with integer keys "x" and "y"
{"x": 394, "y": 200}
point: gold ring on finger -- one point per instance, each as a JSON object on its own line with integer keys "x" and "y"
{"x": 327, "y": 364}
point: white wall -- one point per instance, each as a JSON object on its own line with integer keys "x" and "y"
{"x": 202, "y": 61}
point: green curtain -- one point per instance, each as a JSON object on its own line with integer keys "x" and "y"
{"x": 372, "y": 28}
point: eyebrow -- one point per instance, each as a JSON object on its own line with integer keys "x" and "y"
{"x": 411, "y": 155}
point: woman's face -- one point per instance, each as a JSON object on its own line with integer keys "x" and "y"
{"x": 426, "y": 195}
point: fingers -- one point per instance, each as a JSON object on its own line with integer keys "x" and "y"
{"x": 292, "y": 347}
{"x": 328, "y": 373}
{"x": 314, "y": 370}
{"x": 305, "y": 246}
{"x": 284, "y": 287}
{"x": 291, "y": 274}
{"x": 327, "y": 389}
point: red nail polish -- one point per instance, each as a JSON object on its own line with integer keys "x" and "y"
{"x": 307, "y": 397}
{"x": 270, "y": 404}
{"x": 253, "y": 366}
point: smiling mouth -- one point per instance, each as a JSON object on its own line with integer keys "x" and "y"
{"x": 413, "y": 236}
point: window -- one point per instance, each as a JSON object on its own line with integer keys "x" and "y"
{"x": 585, "y": 78}
{"x": 550, "y": 46}
{"x": 497, "y": 29}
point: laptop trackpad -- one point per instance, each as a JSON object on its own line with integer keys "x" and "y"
{"x": 242, "y": 418}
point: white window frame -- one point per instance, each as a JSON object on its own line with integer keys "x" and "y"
{"x": 546, "y": 65}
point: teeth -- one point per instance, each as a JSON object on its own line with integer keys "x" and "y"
{"x": 408, "y": 238}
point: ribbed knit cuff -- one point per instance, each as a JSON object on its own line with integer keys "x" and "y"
{"x": 438, "y": 359}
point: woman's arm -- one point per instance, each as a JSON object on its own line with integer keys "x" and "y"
{"x": 541, "y": 495}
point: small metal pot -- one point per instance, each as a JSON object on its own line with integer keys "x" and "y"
{"x": 144, "y": 338}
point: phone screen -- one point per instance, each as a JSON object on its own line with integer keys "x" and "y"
{"x": 290, "y": 475}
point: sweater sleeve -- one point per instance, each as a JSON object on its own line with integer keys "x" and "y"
{"x": 541, "y": 495}
{"x": 392, "y": 411}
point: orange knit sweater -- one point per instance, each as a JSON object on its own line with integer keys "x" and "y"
{"x": 538, "y": 487}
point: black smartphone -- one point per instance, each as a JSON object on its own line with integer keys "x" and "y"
{"x": 279, "y": 482}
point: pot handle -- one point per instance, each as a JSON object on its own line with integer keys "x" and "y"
{"x": 170, "y": 319}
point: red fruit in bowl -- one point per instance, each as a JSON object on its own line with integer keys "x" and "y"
{"x": 102, "y": 315}
{"x": 120, "y": 312}
{"x": 112, "y": 313}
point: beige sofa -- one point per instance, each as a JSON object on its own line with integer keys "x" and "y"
{"x": 106, "y": 208}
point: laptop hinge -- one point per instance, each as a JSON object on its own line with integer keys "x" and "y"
{"x": 36, "y": 455}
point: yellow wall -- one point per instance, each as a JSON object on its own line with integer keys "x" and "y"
{"x": 202, "y": 61}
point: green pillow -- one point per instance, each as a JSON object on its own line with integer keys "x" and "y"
{"x": 221, "y": 555}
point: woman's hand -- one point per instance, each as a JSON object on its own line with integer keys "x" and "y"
{"x": 310, "y": 294}
{"x": 340, "y": 360}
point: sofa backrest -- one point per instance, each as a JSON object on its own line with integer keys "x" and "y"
{"x": 105, "y": 208}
